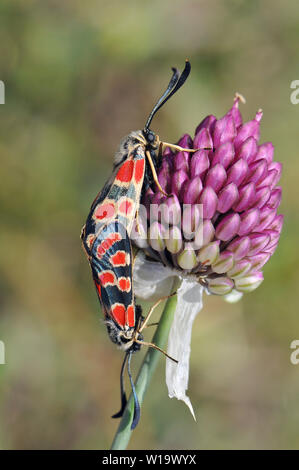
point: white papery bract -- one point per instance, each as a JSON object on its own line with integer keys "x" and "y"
{"x": 152, "y": 281}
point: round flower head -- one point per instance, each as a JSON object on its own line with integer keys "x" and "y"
{"x": 218, "y": 222}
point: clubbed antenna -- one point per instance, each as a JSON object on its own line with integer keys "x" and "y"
{"x": 174, "y": 85}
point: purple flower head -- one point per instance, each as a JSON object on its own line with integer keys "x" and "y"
{"x": 223, "y": 225}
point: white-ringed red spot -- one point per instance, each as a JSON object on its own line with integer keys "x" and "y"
{"x": 89, "y": 240}
{"x": 139, "y": 170}
{"x": 130, "y": 320}
{"x": 125, "y": 173}
{"x": 118, "y": 312}
{"x": 124, "y": 284}
{"x": 104, "y": 211}
{"x": 125, "y": 206}
{"x": 107, "y": 243}
{"x": 119, "y": 258}
{"x": 107, "y": 278}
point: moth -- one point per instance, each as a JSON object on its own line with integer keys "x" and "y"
{"x": 106, "y": 234}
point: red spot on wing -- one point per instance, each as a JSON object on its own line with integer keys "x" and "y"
{"x": 118, "y": 312}
{"x": 139, "y": 170}
{"x": 90, "y": 239}
{"x": 124, "y": 284}
{"x": 107, "y": 243}
{"x": 119, "y": 258}
{"x": 131, "y": 315}
{"x": 104, "y": 211}
{"x": 125, "y": 207}
{"x": 99, "y": 289}
{"x": 125, "y": 173}
{"x": 107, "y": 278}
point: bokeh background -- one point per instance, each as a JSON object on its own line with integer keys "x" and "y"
{"x": 79, "y": 76}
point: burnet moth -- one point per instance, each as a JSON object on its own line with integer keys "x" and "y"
{"x": 106, "y": 235}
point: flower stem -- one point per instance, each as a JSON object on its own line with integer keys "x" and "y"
{"x": 149, "y": 364}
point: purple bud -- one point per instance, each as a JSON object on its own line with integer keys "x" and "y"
{"x": 167, "y": 152}
{"x": 277, "y": 223}
{"x": 191, "y": 220}
{"x": 275, "y": 198}
{"x": 139, "y": 230}
{"x": 178, "y": 179}
{"x": 164, "y": 179}
{"x": 181, "y": 161}
{"x": 235, "y": 112}
{"x": 167, "y": 163}
{"x": 203, "y": 140}
{"x": 237, "y": 172}
{"x": 192, "y": 190}
{"x": 277, "y": 166}
{"x": 174, "y": 240}
{"x": 199, "y": 163}
{"x": 271, "y": 248}
{"x": 257, "y": 171}
{"x": 250, "y": 282}
{"x": 249, "y": 129}
{"x": 224, "y": 262}
{"x": 269, "y": 180}
{"x": 249, "y": 220}
{"x": 216, "y": 177}
{"x": 239, "y": 247}
{"x": 261, "y": 197}
{"x": 207, "y": 123}
{"x": 227, "y": 197}
{"x": 246, "y": 197}
{"x": 258, "y": 260}
{"x": 205, "y": 234}
{"x": 209, "y": 200}
{"x": 224, "y": 130}
{"x": 156, "y": 236}
{"x": 267, "y": 216}
{"x": 266, "y": 151}
{"x": 258, "y": 241}
{"x": 185, "y": 142}
{"x": 220, "y": 285}
{"x": 224, "y": 154}
{"x": 228, "y": 227}
{"x": 171, "y": 210}
{"x": 248, "y": 150}
{"x": 273, "y": 234}
{"x": 154, "y": 208}
{"x": 240, "y": 268}
{"x": 149, "y": 194}
{"x": 209, "y": 253}
{"x": 187, "y": 258}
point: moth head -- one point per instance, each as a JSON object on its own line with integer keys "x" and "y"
{"x": 127, "y": 145}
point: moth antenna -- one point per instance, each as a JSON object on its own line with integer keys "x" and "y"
{"x": 174, "y": 85}
{"x": 123, "y": 397}
{"x": 170, "y": 86}
{"x": 136, "y": 416}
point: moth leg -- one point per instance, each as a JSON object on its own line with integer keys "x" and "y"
{"x": 154, "y": 173}
{"x": 152, "y": 309}
{"x": 152, "y": 345}
{"x": 182, "y": 149}
{"x": 152, "y": 324}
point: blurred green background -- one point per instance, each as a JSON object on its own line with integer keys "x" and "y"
{"x": 79, "y": 76}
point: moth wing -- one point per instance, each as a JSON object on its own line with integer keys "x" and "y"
{"x": 119, "y": 199}
{"x": 111, "y": 263}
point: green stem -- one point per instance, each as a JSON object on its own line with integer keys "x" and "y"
{"x": 149, "y": 364}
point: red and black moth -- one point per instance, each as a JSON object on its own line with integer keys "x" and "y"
{"x": 106, "y": 235}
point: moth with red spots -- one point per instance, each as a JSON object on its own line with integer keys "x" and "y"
{"x": 106, "y": 234}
